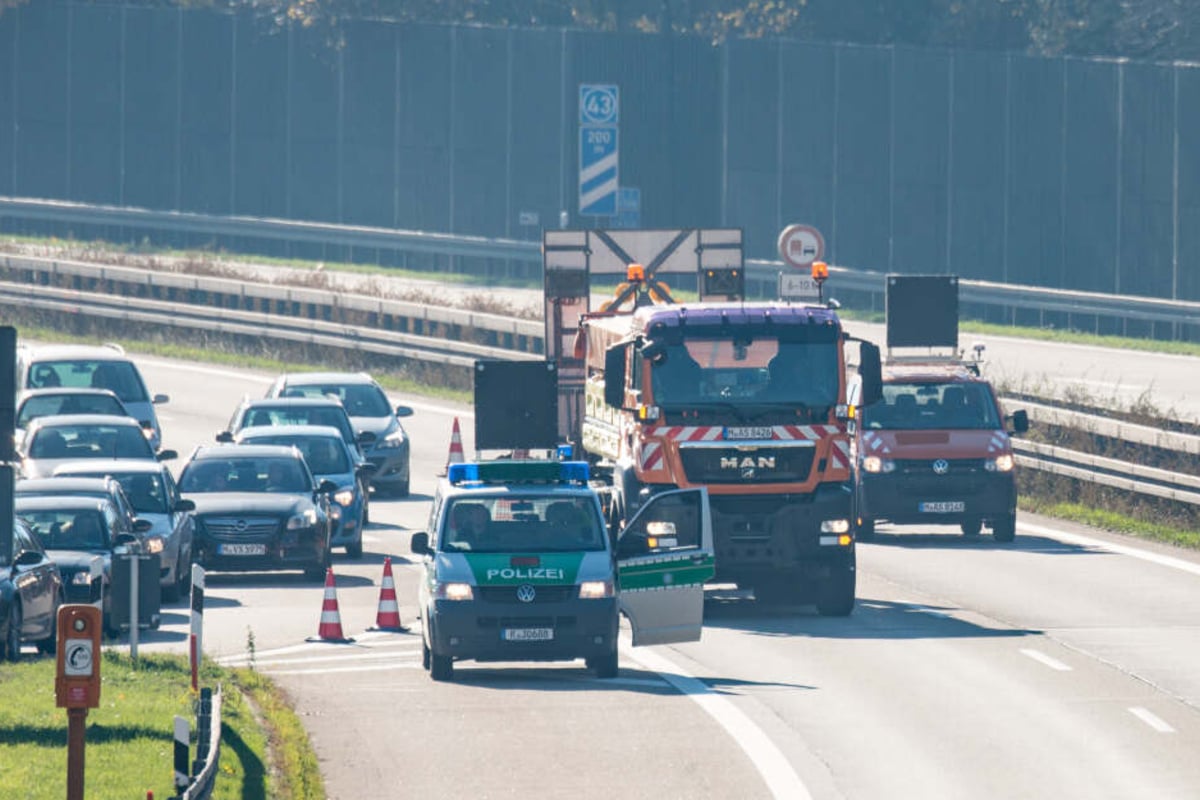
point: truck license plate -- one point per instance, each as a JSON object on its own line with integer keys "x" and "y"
{"x": 528, "y": 634}
{"x": 758, "y": 432}
{"x": 242, "y": 549}
{"x": 943, "y": 507}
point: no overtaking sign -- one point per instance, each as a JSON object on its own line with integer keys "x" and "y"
{"x": 801, "y": 245}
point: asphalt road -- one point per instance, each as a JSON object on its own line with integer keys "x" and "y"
{"x": 1061, "y": 666}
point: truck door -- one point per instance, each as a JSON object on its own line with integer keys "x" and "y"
{"x": 664, "y": 556}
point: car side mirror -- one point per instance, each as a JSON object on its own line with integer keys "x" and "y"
{"x": 1020, "y": 421}
{"x": 141, "y": 526}
{"x": 403, "y": 411}
{"x": 159, "y": 399}
{"x": 185, "y": 504}
{"x": 28, "y": 558}
{"x": 126, "y": 539}
{"x": 167, "y": 455}
{"x": 326, "y": 486}
{"x": 224, "y": 437}
{"x": 365, "y": 437}
{"x": 366, "y": 469}
{"x": 420, "y": 543}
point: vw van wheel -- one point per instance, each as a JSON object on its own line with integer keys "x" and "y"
{"x": 605, "y": 666}
{"x": 1004, "y": 529}
{"x": 12, "y": 641}
{"x": 972, "y": 527}
{"x": 441, "y": 668}
{"x": 835, "y": 594}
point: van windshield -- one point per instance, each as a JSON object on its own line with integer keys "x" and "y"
{"x": 927, "y": 406}
{"x": 524, "y": 524}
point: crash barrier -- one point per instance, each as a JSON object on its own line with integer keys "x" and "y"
{"x": 1110, "y": 472}
{"x": 761, "y": 275}
{"x": 203, "y": 778}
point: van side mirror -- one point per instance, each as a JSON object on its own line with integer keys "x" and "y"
{"x": 420, "y": 543}
{"x": 614, "y": 375}
{"x": 1020, "y": 421}
{"x": 870, "y": 368}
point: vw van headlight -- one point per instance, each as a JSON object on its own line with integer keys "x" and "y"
{"x": 595, "y": 590}
{"x": 875, "y": 464}
{"x": 1002, "y": 463}
{"x": 454, "y": 591}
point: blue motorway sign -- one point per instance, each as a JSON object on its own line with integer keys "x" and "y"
{"x": 598, "y": 178}
{"x": 598, "y": 104}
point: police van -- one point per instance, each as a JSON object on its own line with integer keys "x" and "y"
{"x": 519, "y": 565}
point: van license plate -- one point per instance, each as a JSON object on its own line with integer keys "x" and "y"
{"x": 242, "y": 549}
{"x": 528, "y": 634}
{"x": 943, "y": 507}
{"x": 758, "y": 432}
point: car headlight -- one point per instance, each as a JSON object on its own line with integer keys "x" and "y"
{"x": 835, "y": 526}
{"x": 391, "y": 441}
{"x": 306, "y": 519}
{"x": 344, "y": 497}
{"x": 1002, "y": 463}
{"x": 875, "y": 464}
{"x": 154, "y": 544}
{"x": 595, "y": 590}
{"x": 81, "y": 579}
{"x": 454, "y": 591}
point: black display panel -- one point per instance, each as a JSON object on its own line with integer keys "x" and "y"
{"x": 922, "y": 311}
{"x": 516, "y": 405}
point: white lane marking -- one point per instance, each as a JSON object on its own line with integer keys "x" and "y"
{"x": 1151, "y": 719}
{"x": 360, "y": 641}
{"x": 771, "y": 764}
{"x": 1122, "y": 549}
{"x": 1052, "y": 663}
{"x": 328, "y": 671}
{"x": 259, "y": 662}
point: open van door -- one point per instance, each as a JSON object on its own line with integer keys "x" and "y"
{"x": 664, "y": 556}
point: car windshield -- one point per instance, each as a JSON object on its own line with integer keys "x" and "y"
{"x": 120, "y": 377}
{"x": 146, "y": 492}
{"x": 332, "y": 416}
{"x": 528, "y": 523}
{"x": 323, "y": 454}
{"x": 257, "y": 474}
{"x": 52, "y": 404}
{"x": 925, "y": 406}
{"x": 67, "y": 529}
{"x": 90, "y": 441}
{"x": 359, "y": 399}
{"x": 764, "y": 371}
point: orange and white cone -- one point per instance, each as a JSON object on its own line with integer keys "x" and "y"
{"x": 388, "y": 618}
{"x": 330, "y": 629}
{"x": 456, "y": 449}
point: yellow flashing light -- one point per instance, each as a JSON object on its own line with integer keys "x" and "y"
{"x": 820, "y": 270}
{"x": 635, "y": 273}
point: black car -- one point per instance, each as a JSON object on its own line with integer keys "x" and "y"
{"x": 31, "y": 590}
{"x": 81, "y": 534}
{"x": 258, "y": 508}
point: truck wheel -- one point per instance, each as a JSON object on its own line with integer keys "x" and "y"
{"x": 1004, "y": 528}
{"x": 441, "y": 668}
{"x": 604, "y": 666}
{"x": 972, "y": 527}
{"x": 835, "y": 594}
{"x": 864, "y": 529}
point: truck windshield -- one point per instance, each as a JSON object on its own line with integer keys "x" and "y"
{"x": 924, "y": 406}
{"x": 700, "y": 372}
{"x": 525, "y": 524}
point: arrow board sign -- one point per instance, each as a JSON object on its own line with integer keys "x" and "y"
{"x": 661, "y": 252}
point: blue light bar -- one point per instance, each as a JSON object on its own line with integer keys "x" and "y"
{"x": 501, "y": 472}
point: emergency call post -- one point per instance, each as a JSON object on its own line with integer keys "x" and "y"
{"x": 77, "y": 684}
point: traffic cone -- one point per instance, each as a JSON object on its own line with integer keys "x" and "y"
{"x": 388, "y": 618}
{"x": 456, "y": 451}
{"x": 330, "y": 629}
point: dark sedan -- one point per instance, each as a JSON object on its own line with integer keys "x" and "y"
{"x": 31, "y": 590}
{"x": 258, "y": 508}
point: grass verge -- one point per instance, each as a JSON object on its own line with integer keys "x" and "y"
{"x": 264, "y": 750}
{"x": 1112, "y": 521}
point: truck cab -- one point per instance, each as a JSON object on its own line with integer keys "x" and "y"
{"x": 935, "y": 449}
{"x": 519, "y": 565}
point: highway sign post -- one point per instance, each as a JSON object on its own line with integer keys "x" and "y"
{"x": 599, "y": 154}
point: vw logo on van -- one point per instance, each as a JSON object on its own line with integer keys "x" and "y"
{"x": 526, "y": 593}
{"x": 941, "y": 466}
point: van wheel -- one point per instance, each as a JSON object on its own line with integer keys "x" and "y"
{"x": 441, "y": 668}
{"x": 835, "y": 593}
{"x": 971, "y": 527}
{"x": 1004, "y": 528}
{"x": 605, "y": 666}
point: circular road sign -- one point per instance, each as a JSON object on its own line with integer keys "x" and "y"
{"x": 801, "y": 245}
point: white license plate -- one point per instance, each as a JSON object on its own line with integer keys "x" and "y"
{"x": 242, "y": 549}
{"x": 943, "y": 507}
{"x": 764, "y": 432}
{"x": 528, "y": 634}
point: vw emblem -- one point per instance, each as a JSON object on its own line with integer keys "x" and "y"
{"x": 240, "y": 525}
{"x": 526, "y": 593}
{"x": 941, "y": 466}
